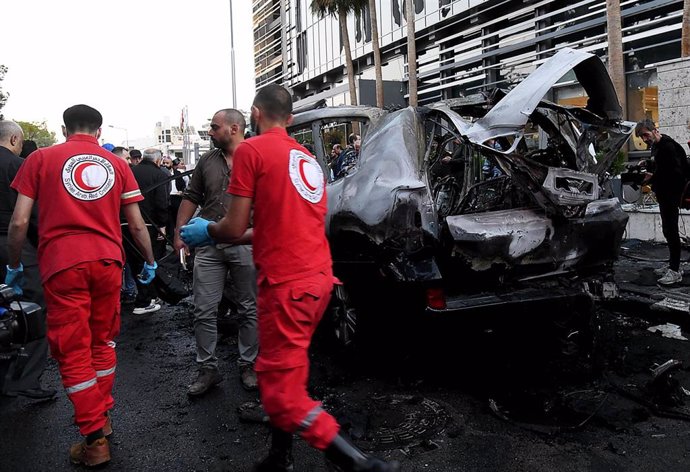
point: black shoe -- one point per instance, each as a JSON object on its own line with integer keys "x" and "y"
{"x": 347, "y": 457}
{"x": 208, "y": 377}
{"x": 35, "y": 393}
{"x": 252, "y": 412}
{"x": 127, "y": 299}
{"x": 279, "y": 457}
{"x": 248, "y": 377}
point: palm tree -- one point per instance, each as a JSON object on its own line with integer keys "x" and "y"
{"x": 615, "y": 49}
{"x": 340, "y": 9}
{"x": 685, "y": 39}
{"x": 377, "y": 52}
{"x": 411, "y": 54}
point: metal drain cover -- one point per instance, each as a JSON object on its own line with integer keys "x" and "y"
{"x": 393, "y": 421}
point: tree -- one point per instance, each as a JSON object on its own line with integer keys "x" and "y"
{"x": 340, "y": 9}
{"x": 615, "y": 50}
{"x": 411, "y": 54}
{"x": 377, "y": 52}
{"x": 685, "y": 37}
{"x": 38, "y": 132}
{"x": 3, "y": 96}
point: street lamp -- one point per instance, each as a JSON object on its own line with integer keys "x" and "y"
{"x": 126, "y": 134}
{"x": 232, "y": 61}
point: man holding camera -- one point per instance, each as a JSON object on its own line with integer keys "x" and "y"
{"x": 667, "y": 178}
{"x": 80, "y": 189}
{"x": 23, "y": 374}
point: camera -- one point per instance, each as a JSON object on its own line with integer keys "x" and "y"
{"x": 634, "y": 175}
{"x": 20, "y": 322}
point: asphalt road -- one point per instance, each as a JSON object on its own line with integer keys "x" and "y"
{"x": 511, "y": 392}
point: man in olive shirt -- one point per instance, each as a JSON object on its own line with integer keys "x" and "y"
{"x": 213, "y": 264}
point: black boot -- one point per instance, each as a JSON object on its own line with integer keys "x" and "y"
{"x": 279, "y": 457}
{"x": 348, "y": 458}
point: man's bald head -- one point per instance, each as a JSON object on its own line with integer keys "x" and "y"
{"x": 11, "y": 136}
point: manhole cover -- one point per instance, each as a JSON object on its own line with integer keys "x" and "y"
{"x": 393, "y": 421}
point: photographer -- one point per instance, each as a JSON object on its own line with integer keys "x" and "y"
{"x": 667, "y": 178}
{"x": 23, "y": 373}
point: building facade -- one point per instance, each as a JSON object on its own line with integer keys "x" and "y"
{"x": 463, "y": 46}
{"x": 187, "y": 144}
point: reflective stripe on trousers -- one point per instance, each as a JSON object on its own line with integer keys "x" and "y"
{"x": 103, "y": 373}
{"x": 81, "y": 386}
{"x": 309, "y": 419}
{"x": 89, "y": 383}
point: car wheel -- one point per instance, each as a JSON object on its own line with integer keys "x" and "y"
{"x": 343, "y": 316}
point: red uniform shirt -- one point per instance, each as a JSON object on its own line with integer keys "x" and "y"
{"x": 79, "y": 188}
{"x": 289, "y": 191}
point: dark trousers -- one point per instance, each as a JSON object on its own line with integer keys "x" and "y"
{"x": 175, "y": 201}
{"x": 668, "y": 210}
{"x": 24, "y": 372}
{"x": 145, "y": 293}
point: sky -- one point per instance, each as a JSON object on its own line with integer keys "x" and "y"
{"x": 137, "y": 61}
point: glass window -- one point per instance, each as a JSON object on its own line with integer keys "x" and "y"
{"x": 571, "y": 95}
{"x": 642, "y": 102}
{"x": 342, "y": 159}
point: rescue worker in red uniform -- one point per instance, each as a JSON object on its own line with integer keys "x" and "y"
{"x": 287, "y": 188}
{"x": 80, "y": 188}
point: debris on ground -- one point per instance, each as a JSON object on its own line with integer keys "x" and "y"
{"x": 668, "y": 330}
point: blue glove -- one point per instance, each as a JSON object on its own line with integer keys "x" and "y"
{"x": 148, "y": 273}
{"x": 15, "y": 278}
{"x": 195, "y": 233}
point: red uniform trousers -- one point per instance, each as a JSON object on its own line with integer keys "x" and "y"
{"x": 288, "y": 315}
{"x": 83, "y": 320}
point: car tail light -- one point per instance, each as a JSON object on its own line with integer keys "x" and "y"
{"x": 435, "y": 298}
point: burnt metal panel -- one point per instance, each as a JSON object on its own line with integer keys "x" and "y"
{"x": 528, "y": 237}
{"x": 512, "y": 112}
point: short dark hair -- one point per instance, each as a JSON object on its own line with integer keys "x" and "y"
{"x": 233, "y": 116}
{"x": 274, "y": 101}
{"x": 82, "y": 118}
{"x": 117, "y": 150}
{"x": 135, "y": 154}
{"x": 352, "y": 138}
{"x": 29, "y": 147}
{"x": 644, "y": 124}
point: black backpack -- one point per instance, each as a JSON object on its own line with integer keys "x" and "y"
{"x": 169, "y": 280}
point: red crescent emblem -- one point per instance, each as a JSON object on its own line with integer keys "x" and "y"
{"x": 303, "y": 177}
{"x": 79, "y": 176}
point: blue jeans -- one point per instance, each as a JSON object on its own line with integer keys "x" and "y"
{"x": 129, "y": 285}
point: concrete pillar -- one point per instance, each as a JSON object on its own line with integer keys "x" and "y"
{"x": 674, "y": 99}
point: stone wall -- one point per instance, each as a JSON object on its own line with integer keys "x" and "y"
{"x": 674, "y": 99}
{"x": 644, "y": 223}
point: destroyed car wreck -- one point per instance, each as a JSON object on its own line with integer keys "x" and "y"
{"x": 467, "y": 203}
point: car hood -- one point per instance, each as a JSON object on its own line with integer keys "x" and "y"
{"x": 591, "y": 136}
{"x": 513, "y": 111}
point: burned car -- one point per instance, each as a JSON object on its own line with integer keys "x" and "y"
{"x": 476, "y": 201}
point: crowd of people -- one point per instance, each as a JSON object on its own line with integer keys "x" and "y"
{"x": 86, "y": 223}
{"x": 342, "y": 161}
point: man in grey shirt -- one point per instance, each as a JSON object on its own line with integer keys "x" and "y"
{"x": 214, "y": 264}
